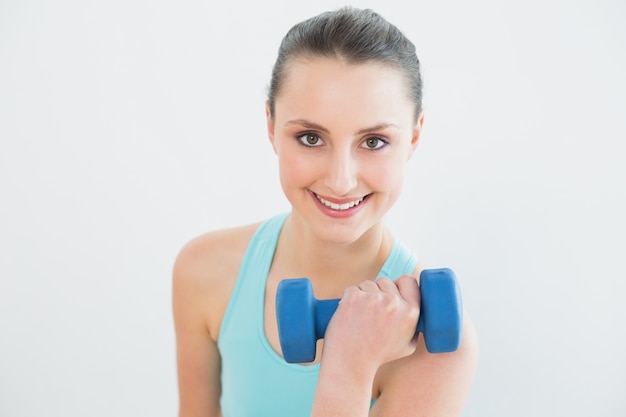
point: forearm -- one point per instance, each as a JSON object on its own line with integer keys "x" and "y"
{"x": 359, "y": 339}
{"x": 343, "y": 391}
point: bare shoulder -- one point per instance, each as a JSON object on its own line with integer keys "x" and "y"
{"x": 206, "y": 270}
{"x": 213, "y": 254}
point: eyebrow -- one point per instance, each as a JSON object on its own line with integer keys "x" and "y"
{"x": 311, "y": 125}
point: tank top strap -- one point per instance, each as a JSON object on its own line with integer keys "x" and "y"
{"x": 255, "y": 266}
{"x": 255, "y": 379}
{"x": 400, "y": 261}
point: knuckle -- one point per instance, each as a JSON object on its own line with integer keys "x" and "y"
{"x": 385, "y": 281}
{"x": 368, "y": 285}
{"x": 349, "y": 295}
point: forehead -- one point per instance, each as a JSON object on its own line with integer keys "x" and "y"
{"x": 320, "y": 87}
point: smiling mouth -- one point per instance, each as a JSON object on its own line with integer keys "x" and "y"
{"x": 340, "y": 207}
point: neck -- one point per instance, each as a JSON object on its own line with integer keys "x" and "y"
{"x": 332, "y": 266}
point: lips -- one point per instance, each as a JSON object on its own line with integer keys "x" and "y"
{"x": 340, "y": 205}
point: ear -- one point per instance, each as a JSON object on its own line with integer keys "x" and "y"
{"x": 270, "y": 125}
{"x": 417, "y": 131}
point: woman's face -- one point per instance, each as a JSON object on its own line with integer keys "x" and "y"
{"x": 343, "y": 134}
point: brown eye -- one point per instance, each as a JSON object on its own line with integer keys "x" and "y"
{"x": 310, "y": 140}
{"x": 374, "y": 143}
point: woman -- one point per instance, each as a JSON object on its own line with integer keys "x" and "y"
{"x": 344, "y": 117}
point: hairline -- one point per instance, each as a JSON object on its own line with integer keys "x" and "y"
{"x": 309, "y": 56}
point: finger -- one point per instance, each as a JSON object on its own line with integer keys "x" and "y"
{"x": 409, "y": 290}
{"x": 388, "y": 286}
{"x": 369, "y": 286}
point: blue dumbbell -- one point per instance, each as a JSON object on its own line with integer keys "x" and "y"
{"x": 302, "y": 319}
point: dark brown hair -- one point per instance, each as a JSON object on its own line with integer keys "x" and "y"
{"x": 356, "y": 35}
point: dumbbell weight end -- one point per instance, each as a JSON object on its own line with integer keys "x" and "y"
{"x": 441, "y": 310}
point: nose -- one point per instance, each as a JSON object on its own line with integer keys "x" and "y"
{"x": 341, "y": 172}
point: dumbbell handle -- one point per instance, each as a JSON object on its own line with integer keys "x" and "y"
{"x": 324, "y": 310}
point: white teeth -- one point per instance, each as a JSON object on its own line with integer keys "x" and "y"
{"x": 334, "y": 206}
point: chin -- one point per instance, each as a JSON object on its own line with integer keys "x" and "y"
{"x": 342, "y": 231}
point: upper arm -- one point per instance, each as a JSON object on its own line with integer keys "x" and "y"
{"x": 425, "y": 384}
{"x": 204, "y": 275}
{"x": 197, "y": 357}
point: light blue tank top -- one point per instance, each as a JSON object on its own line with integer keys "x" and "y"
{"x": 256, "y": 381}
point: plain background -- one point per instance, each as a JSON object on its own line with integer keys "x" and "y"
{"x": 128, "y": 127}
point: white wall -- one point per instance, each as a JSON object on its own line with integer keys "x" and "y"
{"x": 128, "y": 127}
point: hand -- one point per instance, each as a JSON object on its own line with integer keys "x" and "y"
{"x": 374, "y": 323}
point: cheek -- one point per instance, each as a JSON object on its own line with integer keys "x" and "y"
{"x": 295, "y": 169}
{"x": 386, "y": 176}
